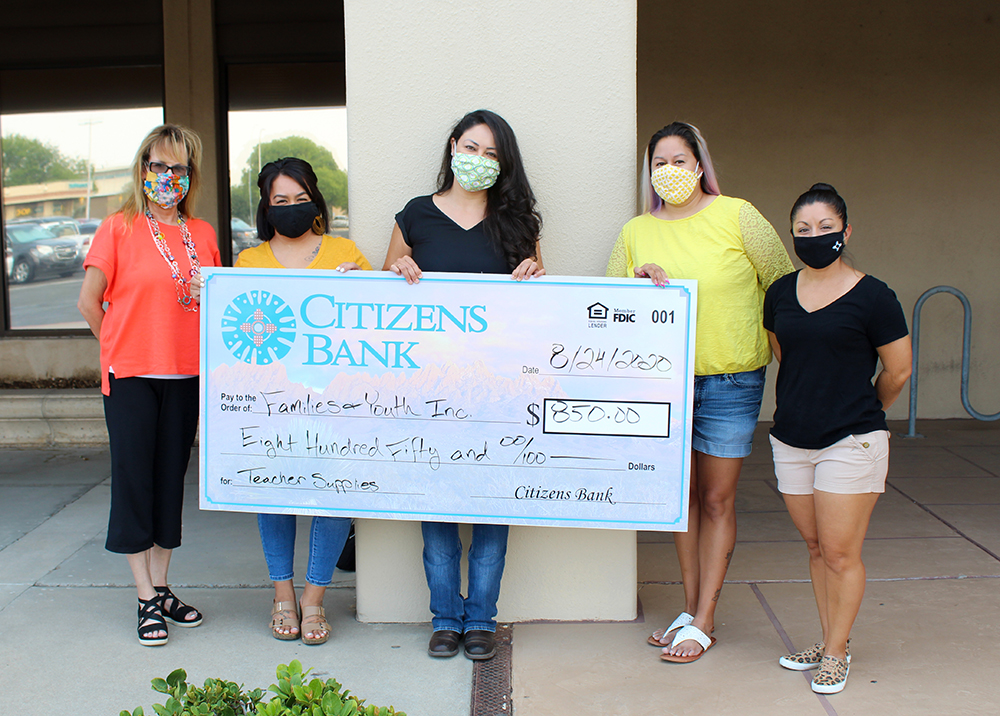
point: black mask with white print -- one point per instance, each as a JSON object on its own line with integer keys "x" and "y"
{"x": 818, "y": 252}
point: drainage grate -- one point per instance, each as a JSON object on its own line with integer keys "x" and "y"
{"x": 491, "y": 692}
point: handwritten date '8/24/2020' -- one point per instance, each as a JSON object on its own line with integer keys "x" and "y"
{"x": 586, "y": 358}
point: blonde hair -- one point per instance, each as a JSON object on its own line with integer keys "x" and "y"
{"x": 172, "y": 139}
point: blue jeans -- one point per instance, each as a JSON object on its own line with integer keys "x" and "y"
{"x": 326, "y": 542}
{"x": 443, "y": 567}
{"x": 726, "y": 407}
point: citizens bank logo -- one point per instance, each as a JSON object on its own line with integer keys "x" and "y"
{"x": 258, "y": 327}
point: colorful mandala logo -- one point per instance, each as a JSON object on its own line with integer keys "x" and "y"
{"x": 258, "y": 327}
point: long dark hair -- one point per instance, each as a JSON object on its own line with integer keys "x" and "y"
{"x": 822, "y": 194}
{"x": 302, "y": 173}
{"x": 512, "y": 223}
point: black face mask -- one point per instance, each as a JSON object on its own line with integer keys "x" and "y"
{"x": 292, "y": 220}
{"x": 818, "y": 252}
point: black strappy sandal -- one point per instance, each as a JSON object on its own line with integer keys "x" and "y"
{"x": 178, "y": 611}
{"x": 150, "y": 622}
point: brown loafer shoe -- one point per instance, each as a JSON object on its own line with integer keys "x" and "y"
{"x": 480, "y": 645}
{"x": 443, "y": 643}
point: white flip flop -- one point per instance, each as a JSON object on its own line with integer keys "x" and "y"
{"x": 694, "y": 634}
{"x": 681, "y": 621}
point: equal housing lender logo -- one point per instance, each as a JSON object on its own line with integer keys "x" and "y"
{"x": 258, "y": 327}
{"x": 598, "y": 315}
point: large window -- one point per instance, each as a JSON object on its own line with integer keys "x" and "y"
{"x": 79, "y": 86}
{"x": 62, "y": 174}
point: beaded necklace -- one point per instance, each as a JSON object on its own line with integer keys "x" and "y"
{"x": 181, "y": 284}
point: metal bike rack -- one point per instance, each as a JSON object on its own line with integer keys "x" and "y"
{"x": 966, "y": 350}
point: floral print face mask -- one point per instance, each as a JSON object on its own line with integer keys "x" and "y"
{"x": 473, "y": 172}
{"x": 166, "y": 190}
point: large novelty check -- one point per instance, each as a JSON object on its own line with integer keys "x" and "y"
{"x": 463, "y": 398}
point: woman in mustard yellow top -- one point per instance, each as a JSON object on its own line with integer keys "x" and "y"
{"x": 688, "y": 230}
{"x": 291, "y": 220}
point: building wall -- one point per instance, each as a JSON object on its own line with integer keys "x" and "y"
{"x": 894, "y": 103}
{"x": 565, "y": 81}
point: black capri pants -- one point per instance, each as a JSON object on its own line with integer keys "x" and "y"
{"x": 151, "y": 424}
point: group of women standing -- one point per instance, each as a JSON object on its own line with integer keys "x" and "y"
{"x": 828, "y": 325}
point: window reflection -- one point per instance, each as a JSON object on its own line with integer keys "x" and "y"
{"x": 256, "y": 137}
{"x": 63, "y": 173}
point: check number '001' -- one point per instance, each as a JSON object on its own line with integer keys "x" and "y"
{"x": 606, "y": 417}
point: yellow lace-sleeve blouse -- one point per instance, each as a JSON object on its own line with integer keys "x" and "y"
{"x": 735, "y": 254}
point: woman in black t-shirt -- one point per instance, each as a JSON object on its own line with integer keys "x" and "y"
{"x": 482, "y": 219}
{"x": 829, "y": 324}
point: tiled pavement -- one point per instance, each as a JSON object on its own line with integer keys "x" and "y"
{"x": 927, "y": 640}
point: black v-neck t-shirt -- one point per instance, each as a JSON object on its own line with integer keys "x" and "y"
{"x": 828, "y": 358}
{"x": 439, "y": 244}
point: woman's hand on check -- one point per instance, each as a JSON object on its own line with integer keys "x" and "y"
{"x": 406, "y": 267}
{"x": 653, "y": 272}
{"x": 529, "y": 268}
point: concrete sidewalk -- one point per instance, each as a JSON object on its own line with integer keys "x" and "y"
{"x": 926, "y": 641}
{"x": 67, "y": 607}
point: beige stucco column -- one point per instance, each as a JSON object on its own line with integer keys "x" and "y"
{"x": 563, "y": 76}
{"x": 190, "y": 79}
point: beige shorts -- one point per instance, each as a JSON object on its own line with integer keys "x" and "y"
{"x": 855, "y": 465}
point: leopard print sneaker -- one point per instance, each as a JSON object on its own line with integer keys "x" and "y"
{"x": 804, "y": 660}
{"x": 832, "y": 675}
{"x": 808, "y": 658}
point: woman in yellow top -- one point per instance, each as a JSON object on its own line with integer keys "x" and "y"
{"x": 291, "y": 220}
{"x": 688, "y": 230}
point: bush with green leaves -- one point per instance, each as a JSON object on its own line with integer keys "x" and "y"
{"x": 295, "y": 694}
{"x": 216, "y": 698}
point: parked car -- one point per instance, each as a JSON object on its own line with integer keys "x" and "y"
{"x": 244, "y": 235}
{"x": 89, "y": 226}
{"x": 58, "y": 225}
{"x": 8, "y": 255}
{"x": 339, "y": 222}
{"x": 63, "y": 226}
{"x": 37, "y": 252}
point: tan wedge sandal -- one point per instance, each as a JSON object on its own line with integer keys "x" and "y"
{"x": 314, "y": 620}
{"x": 280, "y": 619}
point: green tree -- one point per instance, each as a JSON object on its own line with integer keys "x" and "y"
{"x": 31, "y": 161}
{"x": 332, "y": 180}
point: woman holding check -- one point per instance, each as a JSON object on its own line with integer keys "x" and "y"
{"x": 291, "y": 221}
{"x": 482, "y": 219}
{"x": 690, "y": 231}
{"x": 145, "y": 263}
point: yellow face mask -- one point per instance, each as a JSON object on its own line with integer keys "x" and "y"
{"x": 675, "y": 184}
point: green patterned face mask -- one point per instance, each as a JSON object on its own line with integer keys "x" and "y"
{"x": 473, "y": 172}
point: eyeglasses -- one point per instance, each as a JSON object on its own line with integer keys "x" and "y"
{"x": 179, "y": 170}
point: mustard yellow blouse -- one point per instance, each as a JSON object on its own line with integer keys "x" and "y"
{"x": 334, "y": 251}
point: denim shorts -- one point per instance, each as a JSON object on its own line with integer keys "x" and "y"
{"x": 726, "y": 407}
